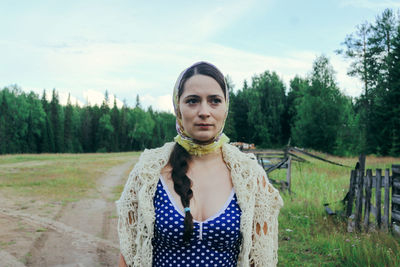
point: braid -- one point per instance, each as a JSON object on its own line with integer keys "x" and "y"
{"x": 179, "y": 162}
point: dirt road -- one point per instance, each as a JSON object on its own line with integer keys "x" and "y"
{"x": 81, "y": 233}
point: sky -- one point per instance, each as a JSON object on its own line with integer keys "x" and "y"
{"x": 130, "y": 48}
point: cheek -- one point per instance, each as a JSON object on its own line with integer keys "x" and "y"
{"x": 222, "y": 113}
{"x": 186, "y": 115}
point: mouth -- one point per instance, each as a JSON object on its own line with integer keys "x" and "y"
{"x": 203, "y": 125}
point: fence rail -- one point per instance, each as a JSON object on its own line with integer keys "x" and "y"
{"x": 273, "y": 159}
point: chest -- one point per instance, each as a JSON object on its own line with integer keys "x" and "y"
{"x": 222, "y": 230}
{"x": 210, "y": 193}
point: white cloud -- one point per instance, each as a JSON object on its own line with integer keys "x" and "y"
{"x": 63, "y": 98}
{"x": 162, "y": 103}
{"x": 93, "y": 97}
{"x": 151, "y": 69}
{"x": 350, "y": 85}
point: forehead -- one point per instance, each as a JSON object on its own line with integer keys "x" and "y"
{"x": 201, "y": 85}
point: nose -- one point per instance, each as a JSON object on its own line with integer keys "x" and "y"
{"x": 204, "y": 110}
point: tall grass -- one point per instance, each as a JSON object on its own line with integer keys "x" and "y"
{"x": 55, "y": 176}
{"x": 310, "y": 237}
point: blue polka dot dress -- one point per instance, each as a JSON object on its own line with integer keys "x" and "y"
{"x": 215, "y": 242}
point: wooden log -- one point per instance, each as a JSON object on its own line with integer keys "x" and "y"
{"x": 329, "y": 210}
{"x": 396, "y": 185}
{"x": 396, "y": 170}
{"x": 378, "y": 197}
{"x": 358, "y": 212}
{"x": 350, "y": 200}
{"x": 386, "y": 205}
{"x": 317, "y": 157}
{"x": 395, "y": 191}
{"x": 368, "y": 193}
{"x": 276, "y": 166}
{"x": 396, "y": 216}
{"x": 396, "y": 199}
{"x": 373, "y": 210}
{"x": 289, "y": 174}
{"x": 297, "y": 158}
{"x": 269, "y": 155}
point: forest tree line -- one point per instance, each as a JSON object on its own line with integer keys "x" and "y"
{"x": 311, "y": 113}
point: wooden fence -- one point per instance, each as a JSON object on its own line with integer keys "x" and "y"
{"x": 361, "y": 203}
{"x": 272, "y": 160}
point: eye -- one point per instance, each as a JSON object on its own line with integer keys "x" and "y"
{"x": 191, "y": 101}
{"x": 216, "y": 100}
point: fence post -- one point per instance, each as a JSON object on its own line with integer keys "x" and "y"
{"x": 361, "y": 160}
{"x": 396, "y": 199}
{"x": 289, "y": 174}
{"x": 350, "y": 200}
{"x": 386, "y": 204}
{"x": 378, "y": 197}
{"x": 358, "y": 213}
{"x": 368, "y": 194}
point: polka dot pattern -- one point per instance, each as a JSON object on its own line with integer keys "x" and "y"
{"x": 215, "y": 242}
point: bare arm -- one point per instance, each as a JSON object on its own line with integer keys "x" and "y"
{"x": 122, "y": 262}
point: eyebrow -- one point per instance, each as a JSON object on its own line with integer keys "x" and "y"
{"x": 209, "y": 96}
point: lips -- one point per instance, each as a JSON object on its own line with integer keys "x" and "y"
{"x": 203, "y": 124}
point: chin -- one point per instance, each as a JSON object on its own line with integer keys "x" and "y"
{"x": 203, "y": 139}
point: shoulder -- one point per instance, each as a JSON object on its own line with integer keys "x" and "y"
{"x": 148, "y": 168}
{"x": 233, "y": 152}
{"x": 158, "y": 152}
{"x": 233, "y": 156}
{"x": 155, "y": 158}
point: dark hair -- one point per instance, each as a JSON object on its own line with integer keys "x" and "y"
{"x": 180, "y": 158}
{"x": 203, "y": 69}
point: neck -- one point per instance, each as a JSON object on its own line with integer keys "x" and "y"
{"x": 209, "y": 156}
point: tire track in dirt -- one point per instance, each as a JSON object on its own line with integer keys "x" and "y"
{"x": 8, "y": 260}
{"x": 80, "y": 237}
{"x": 84, "y": 232}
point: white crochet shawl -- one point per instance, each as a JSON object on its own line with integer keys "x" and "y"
{"x": 259, "y": 201}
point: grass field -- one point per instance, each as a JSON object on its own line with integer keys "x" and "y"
{"x": 58, "y": 177}
{"x": 309, "y": 237}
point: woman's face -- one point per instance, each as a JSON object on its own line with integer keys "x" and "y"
{"x": 202, "y": 106}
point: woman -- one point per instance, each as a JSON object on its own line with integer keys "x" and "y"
{"x": 198, "y": 201}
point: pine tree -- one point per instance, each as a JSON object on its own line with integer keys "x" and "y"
{"x": 56, "y": 122}
{"x": 381, "y": 43}
{"x": 393, "y": 95}
{"x": 230, "y": 129}
{"x": 68, "y": 127}
{"x": 319, "y": 111}
{"x": 3, "y": 124}
{"x": 115, "y": 122}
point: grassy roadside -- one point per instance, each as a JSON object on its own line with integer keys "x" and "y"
{"x": 58, "y": 177}
{"x": 309, "y": 237}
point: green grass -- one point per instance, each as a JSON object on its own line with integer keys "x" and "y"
{"x": 309, "y": 237}
{"x": 65, "y": 177}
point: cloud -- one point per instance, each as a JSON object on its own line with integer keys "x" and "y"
{"x": 349, "y": 85}
{"x": 128, "y": 69}
{"x": 94, "y": 97}
{"x": 161, "y": 103}
{"x": 63, "y": 98}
